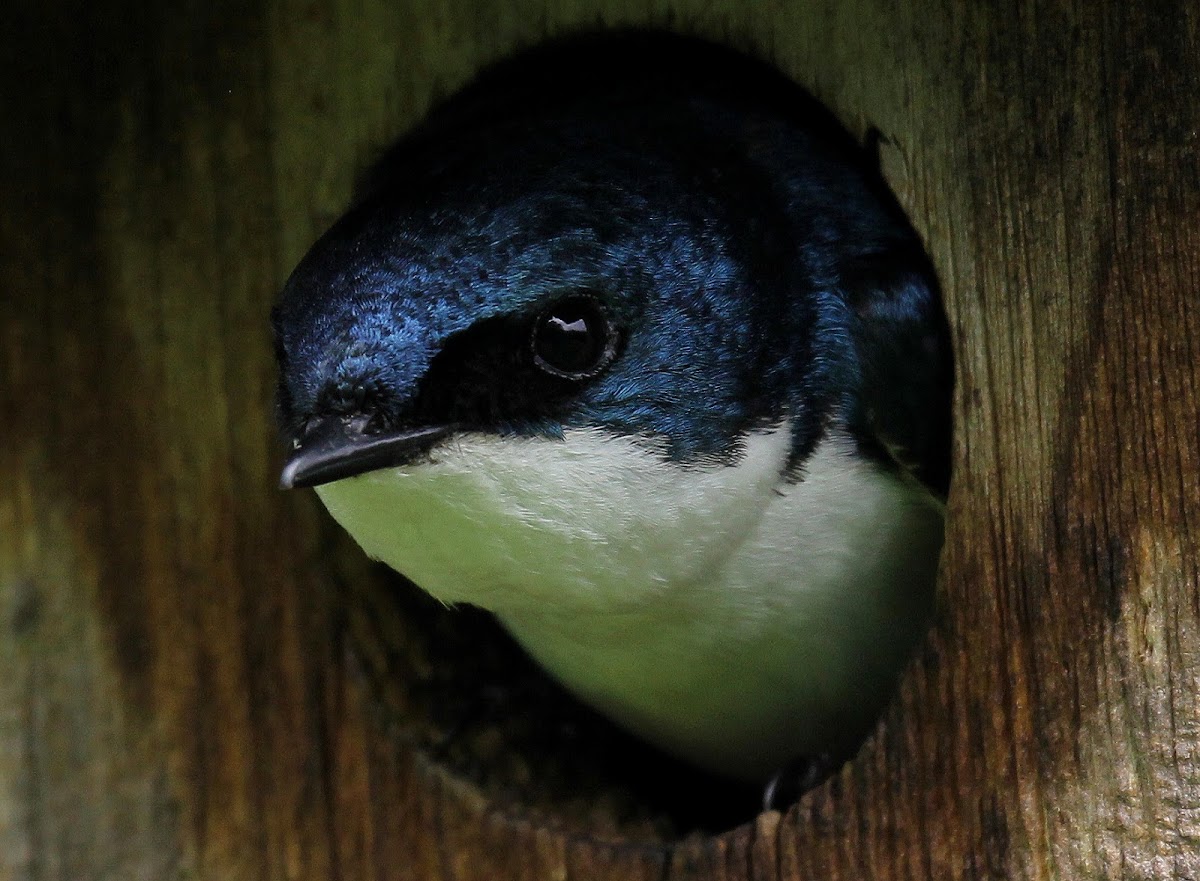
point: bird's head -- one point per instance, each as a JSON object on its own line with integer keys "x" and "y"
{"x": 569, "y": 319}
{"x": 564, "y": 272}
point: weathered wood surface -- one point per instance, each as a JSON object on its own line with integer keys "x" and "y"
{"x": 178, "y": 698}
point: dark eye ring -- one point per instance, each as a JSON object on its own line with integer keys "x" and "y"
{"x": 573, "y": 338}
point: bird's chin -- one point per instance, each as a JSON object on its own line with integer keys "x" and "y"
{"x": 590, "y": 523}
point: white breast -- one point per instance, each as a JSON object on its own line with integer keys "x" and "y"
{"x": 727, "y": 615}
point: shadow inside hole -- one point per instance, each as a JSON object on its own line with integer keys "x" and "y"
{"x": 483, "y": 710}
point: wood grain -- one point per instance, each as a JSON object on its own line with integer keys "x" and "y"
{"x": 197, "y": 680}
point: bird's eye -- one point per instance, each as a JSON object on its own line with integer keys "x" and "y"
{"x": 573, "y": 339}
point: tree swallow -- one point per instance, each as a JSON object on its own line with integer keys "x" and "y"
{"x": 629, "y": 344}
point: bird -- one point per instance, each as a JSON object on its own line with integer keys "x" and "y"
{"x": 628, "y": 343}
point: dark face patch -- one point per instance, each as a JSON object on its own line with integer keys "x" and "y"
{"x": 490, "y": 377}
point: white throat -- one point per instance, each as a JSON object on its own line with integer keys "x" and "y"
{"x": 730, "y": 616}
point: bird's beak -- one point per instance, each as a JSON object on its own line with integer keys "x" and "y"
{"x": 335, "y": 447}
